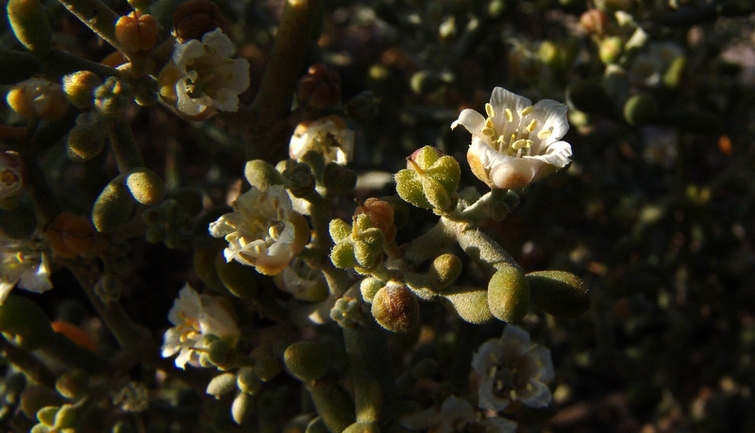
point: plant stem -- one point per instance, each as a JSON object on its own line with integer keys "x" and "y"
{"x": 97, "y": 16}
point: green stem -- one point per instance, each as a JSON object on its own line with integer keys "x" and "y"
{"x": 273, "y": 102}
{"x": 97, "y": 16}
{"x": 429, "y": 244}
{"x": 124, "y": 146}
{"x": 27, "y": 363}
{"x": 480, "y": 247}
{"x": 59, "y": 63}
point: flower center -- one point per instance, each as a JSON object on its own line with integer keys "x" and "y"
{"x": 518, "y": 142}
{"x": 507, "y": 379}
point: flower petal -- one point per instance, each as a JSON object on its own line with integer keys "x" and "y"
{"x": 471, "y": 120}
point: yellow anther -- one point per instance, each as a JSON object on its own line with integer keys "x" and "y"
{"x": 488, "y": 131}
{"x": 489, "y": 124}
{"x": 531, "y": 127}
{"x": 545, "y": 133}
{"x": 509, "y": 115}
{"x": 521, "y": 144}
{"x": 489, "y": 109}
{"x": 526, "y": 111}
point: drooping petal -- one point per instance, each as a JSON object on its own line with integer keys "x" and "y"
{"x": 471, "y": 120}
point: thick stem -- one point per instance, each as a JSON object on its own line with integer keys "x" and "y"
{"x": 27, "y": 363}
{"x": 124, "y": 146}
{"x": 97, "y": 16}
{"x": 480, "y": 247}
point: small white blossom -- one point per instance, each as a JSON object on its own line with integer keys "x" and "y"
{"x": 194, "y": 317}
{"x": 513, "y": 369}
{"x": 518, "y": 143}
{"x": 207, "y": 76}
{"x": 328, "y": 135}
{"x": 23, "y": 262}
{"x": 263, "y": 230}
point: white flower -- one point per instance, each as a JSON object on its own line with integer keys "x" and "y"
{"x": 457, "y": 416}
{"x": 207, "y": 78}
{"x": 22, "y": 262}
{"x": 194, "y": 317}
{"x": 517, "y": 143}
{"x": 263, "y": 231}
{"x": 328, "y": 135}
{"x": 512, "y": 369}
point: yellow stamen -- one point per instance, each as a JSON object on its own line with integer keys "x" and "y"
{"x": 526, "y": 111}
{"x": 531, "y": 127}
{"x": 522, "y": 143}
{"x": 509, "y": 115}
{"x": 489, "y": 109}
{"x": 545, "y": 133}
{"x": 488, "y": 131}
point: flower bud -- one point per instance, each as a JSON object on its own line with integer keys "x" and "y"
{"x": 594, "y": 21}
{"x": 73, "y": 383}
{"x": 221, "y": 384}
{"x": 433, "y": 175}
{"x": 136, "y": 32}
{"x": 589, "y": 96}
{"x": 470, "y": 303}
{"x": 25, "y": 66}
{"x": 145, "y": 186}
{"x": 242, "y": 407}
{"x": 424, "y": 82}
{"x": 672, "y": 78}
{"x": 298, "y": 178}
{"x": 559, "y": 293}
{"x": 87, "y": 139}
{"x": 261, "y": 174}
{"x": 342, "y": 255}
{"x": 194, "y": 18}
{"x": 339, "y": 230}
{"x": 396, "y": 308}
{"x": 113, "y": 207}
{"x": 79, "y": 88}
{"x": 610, "y": 50}
{"x": 30, "y": 25}
{"x": 320, "y": 88}
{"x": 640, "y": 109}
{"x": 36, "y": 397}
{"x": 248, "y": 381}
{"x": 70, "y": 235}
{"x": 509, "y": 294}
{"x": 219, "y": 353}
{"x": 307, "y": 360}
{"x": 46, "y": 415}
{"x": 65, "y": 417}
{"x": 112, "y": 97}
{"x": 24, "y": 322}
{"x": 37, "y": 99}
{"x": 368, "y": 287}
{"x": 239, "y": 279}
{"x": 444, "y": 270}
{"x": 381, "y": 216}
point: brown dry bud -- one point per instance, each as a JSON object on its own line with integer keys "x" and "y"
{"x": 320, "y": 88}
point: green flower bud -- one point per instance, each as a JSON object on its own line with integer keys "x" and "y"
{"x": 204, "y": 258}
{"x": 610, "y": 50}
{"x": 35, "y": 397}
{"x": 242, "y": 407}
{"x": 112, "y": 97}
{"x": 25, "y": 66}
{"x": 145, "y": 186}
{"x": 24, "y": 322}
{"x": 248, "y": 381}
{"x": 444, "y": 270}
{"x": 589, "y": 96}
{"x": 46, "y": 415}
{"x": 73, "y": 384}
{"x": 396, "y": 308}
{"x": 339, "y": 230}
{"x": 79, "y": 88}
{"x": 362, "y": 427}
{"x": 430, "y": 181}
{"x": 113, "y": 207}
{"x": 559, "y": 293}
{"x": 221, "y": 384}
{"x": 338, "y": 179}
{"x": 240, "y": 280}
{"x": 30, "y": 25}
{"x": 509, "y": 294}
{"x": 261, "y": 174}
{"x": 65, "y": 416}
{"x": 640, "y": 109}
{"x": 298, "y": 178}
{"x": 342, "y": 255}
{"x": 368, "y": 248}
{"x": 409, "y": 188}
{"x": 470, "y": 303}
{"x": 333, "y": 403}
{"x": 267, "y": 367}
{"x": 368, "y": 287}
{"x": 220, "y": 354}
{"x": 87, "y": 139}
{"x": 307, "y": 360}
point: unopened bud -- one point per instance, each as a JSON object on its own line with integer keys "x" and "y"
{"x": 307, "y": 360}
{"x": 145, "y": 186}
{"x": 267, "y": 367}
{"x": 113, "y": 207}
{"x": 79, "y": 88}
{"x": 35, "y": 397}
{"x": 239, "y": 279}
{"x": 640, "y": 109}
{"x": 320, "y": 88}
{"x": 37, "y": 99}
{"x": 261, "y": 174}
{"x": 444, "y": 270}
{"x": 396, "y": 308}
{"x": 610, "y": 50}
{"x": 424, "y": 82}
{"x": 65, "y": 417}
{"x": 73, "y": 384}
{"x": 136, "y": 32}
{"x": 368, "y": 287}
{"x": 87, "y": 139}
{"x": 298, "y": 178}
{"x": 241, "y": 407}
{"x": 594, "y": 21}
{"x": 30, "y": 25}
{"x": 248, "y": 381}
{"x": 46, "y": 415}
{"x": 194, "y": 18}
{"x": 220, "y": 354}
{"x": 112, "y": 97}
{"x": 381, "y": 216}
{"x": 509, "y": 294}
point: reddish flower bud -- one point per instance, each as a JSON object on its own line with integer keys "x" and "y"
{"x": 320, "y": 88}
{"x": 136, "y": 32}
{"x": 194, "y": 18}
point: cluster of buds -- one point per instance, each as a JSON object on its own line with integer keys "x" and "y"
{"x": 430, "y": 180}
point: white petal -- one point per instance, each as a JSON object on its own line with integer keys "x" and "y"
{"x": 226, "y": 100}
{"x": 536, "y": 394}
{"x": 540, "y": 358}
{"x": 488, "y": 400}
{"x": 551, "y": 114}
{"x": 471, "y": 120}
{"x": 219, "y": 42}
{"x": 501, "y": 99}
